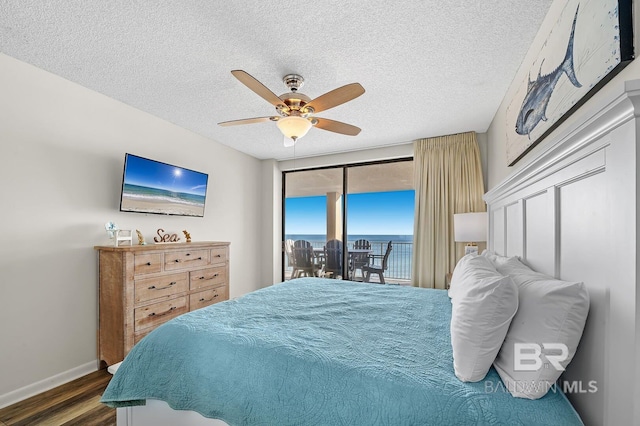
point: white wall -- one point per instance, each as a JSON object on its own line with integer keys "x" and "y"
{"x": 271, "y": 222}
{"x": 498, "y": 168}
{"x": 62, "y": 150}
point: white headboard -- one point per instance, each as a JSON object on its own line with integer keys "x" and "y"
{"x": 571, "y": 212}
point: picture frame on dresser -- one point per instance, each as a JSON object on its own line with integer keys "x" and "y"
{"x": 142, "y": 287}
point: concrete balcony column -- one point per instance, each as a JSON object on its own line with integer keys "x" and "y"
{"x": 334, "y": 216}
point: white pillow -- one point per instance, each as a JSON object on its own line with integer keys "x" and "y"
{"x": 484, "y": 302}
{"x": 552, "y": 313}
{"x": 496, "y": 259}
{"x": 456, "y": 277}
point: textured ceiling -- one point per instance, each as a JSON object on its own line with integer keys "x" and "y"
{"x": 429, "y": 68}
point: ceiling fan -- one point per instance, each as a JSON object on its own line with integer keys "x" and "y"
{"x": 295, "y": 110}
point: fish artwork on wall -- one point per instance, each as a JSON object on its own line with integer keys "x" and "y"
{"x": 534, "y": 106}
{"x": 589, "y": 43}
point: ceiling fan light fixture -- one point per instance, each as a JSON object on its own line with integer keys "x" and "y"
{"x": 295, "y": 109}
{"x": 293, "y": 127}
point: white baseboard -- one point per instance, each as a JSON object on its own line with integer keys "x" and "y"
{"x": 46, "y": 384}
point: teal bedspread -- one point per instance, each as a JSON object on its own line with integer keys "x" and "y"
{"x": 322, "y": 352}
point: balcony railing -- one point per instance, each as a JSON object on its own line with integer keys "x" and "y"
{"x": 399, "y": 263}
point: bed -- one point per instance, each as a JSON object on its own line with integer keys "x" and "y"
{"x": 570, "y": 212}
{"x": 314, "y": 351}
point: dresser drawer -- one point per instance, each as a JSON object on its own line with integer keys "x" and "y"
{"x": 207, "y": 297}
{"x": 147, "y": 263}
{"x": 185, "y": 259}
{"x": 208, "y": 277}
{"x": 138, "y": 336}
{"x": 219, "y": 255}
{"x": 156, "y": 287}
{"x": 157, "y": 313}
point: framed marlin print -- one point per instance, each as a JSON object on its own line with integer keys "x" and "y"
{"x": 591, "y": 41}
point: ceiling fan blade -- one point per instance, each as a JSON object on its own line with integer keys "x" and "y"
{"x": 248, "y": 121}
{"x": 258, "y": 88}
{"x": 336, "y": 97}
{"x": 336, "y": 126}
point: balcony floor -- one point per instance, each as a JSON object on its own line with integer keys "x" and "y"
{"x": 374, "y": 279}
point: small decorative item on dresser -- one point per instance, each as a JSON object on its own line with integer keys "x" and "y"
{"x": 187, "y": 235}
{"x": 118, "y": 235}
{"x": 122, "y": 236}
{"x": 166, "y": 238}
{"x": 141, "y": 241}
{"x": 111, "y": 229}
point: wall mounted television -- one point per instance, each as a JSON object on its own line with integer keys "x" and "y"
{"x": 150, "y": 186}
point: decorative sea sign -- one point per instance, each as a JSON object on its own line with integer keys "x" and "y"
{"x": 590, "y": 43}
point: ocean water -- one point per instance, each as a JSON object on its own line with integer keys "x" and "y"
{"x": 400, "y": 257}
{"x": 146, "y": 193}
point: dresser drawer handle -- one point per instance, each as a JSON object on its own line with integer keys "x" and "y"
{"x": 148, "y": 263}
{"x": 218, "y": 255}
{"x": 199, "y": 258}
{"x": 208, "y": 300}
{"x": 153, "y": 287}
{"x": 210, "y": 278}
{"x": 153, "y": 314}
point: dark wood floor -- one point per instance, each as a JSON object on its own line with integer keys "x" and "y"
{"x": 76, "y": 403}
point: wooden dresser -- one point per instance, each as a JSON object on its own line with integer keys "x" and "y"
{"x": 142, "y": 287}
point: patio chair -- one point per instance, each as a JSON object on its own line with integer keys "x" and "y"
{"x": 379, "y": 264}
{"x": 288, "y": 250}
{"x": 358, "y": 260}
{"x": 333, "y": 258}
{"x": 303, "y": 260}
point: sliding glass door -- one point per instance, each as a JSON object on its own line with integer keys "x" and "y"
{"x": 380, "y": 207}
{"x": 376, "y": 217}
{"x": 313, "y": 208}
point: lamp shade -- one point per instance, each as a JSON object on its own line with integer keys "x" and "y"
{"x": 470, "y": 227}
{"x": 293, "y": 127}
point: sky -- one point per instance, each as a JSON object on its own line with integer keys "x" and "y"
{"x": 372, "y": 213}
{"x": 153, "y": 174}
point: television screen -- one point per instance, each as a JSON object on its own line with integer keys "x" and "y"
{"x": 150, "y": 186}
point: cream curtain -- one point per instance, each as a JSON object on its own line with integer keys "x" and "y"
{"x": 448, "y": 180}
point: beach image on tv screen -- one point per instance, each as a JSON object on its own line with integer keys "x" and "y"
{"x": 154, "y": 187}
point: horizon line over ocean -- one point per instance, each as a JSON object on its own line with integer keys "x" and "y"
{"x": 353, "y": 237}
